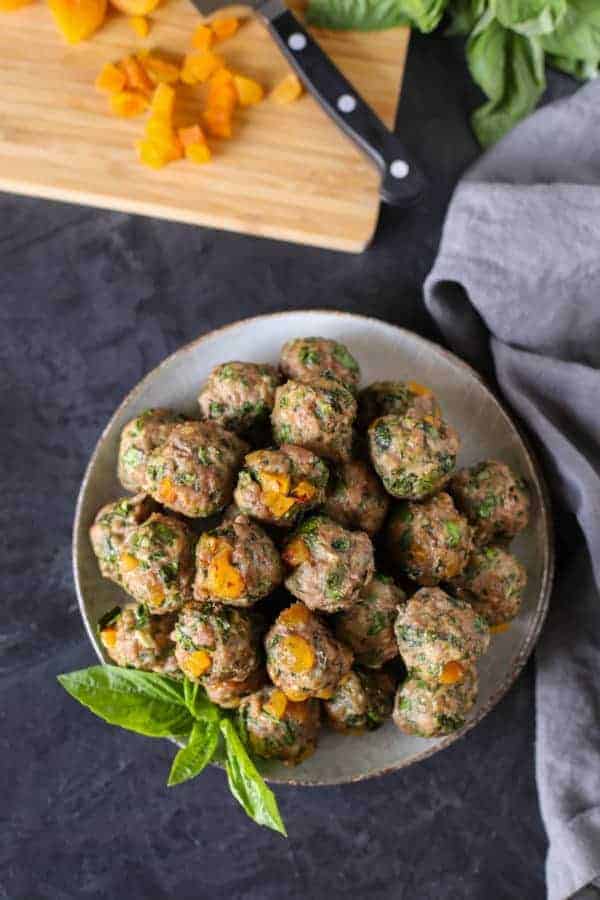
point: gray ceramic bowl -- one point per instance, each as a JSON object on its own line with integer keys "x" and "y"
{"x": 384, "y": 352}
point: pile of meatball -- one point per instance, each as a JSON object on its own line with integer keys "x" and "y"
{"x": 353, "y": 574}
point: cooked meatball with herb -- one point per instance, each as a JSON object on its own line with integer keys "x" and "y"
{"x": 303, "y": 657}
{"x": 215, "y": 643}
{"x": 440, "y": 636}
{"x": 413, "y": 456}
{"x": 194, "y": 471}
{"x": 330, "y": 564}
{"x": 277, "y": 486}
{"x": 430, "y": 541}
{"x": 157, "y": 563}
{"x": 134, "y": 638}
{"x": 363, "y": 700}
{"x": 368, "y": 626}
{"x": 306, "y": 358}
{"x": 493, "y": 583}
{"x": 317, "y": 415}
{"x": 229, "y": 694}
{"x": 492, "y": 498}
{"x": 384, "y": 398}
{"x": 138, "y": 439}
{"x": 432, "y": 710}
{"x": 356, "y": 498}
{"x": 276, "y": 727}
{"x": 112, "y": 525}
{"x": 236, "y": 563}
{"x": 239, "y": 395}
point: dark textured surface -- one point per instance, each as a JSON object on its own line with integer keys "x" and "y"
{"x": 90, "y": 301}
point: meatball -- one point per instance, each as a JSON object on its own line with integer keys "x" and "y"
{"x": 363, "y": 700}
{"x": 492, "y": 498}
{"x": 278, "y": 728}
{"x": 356, "y": 498}
{"x": 194, "y": 471}
{"x": 330, "y": 564}
{"x": 239, "y": 395}
{"x": 439, "y": 636}
{"x": 111, "y": 527}
{"x": 134, "y": 638}
{"x": 384, "y": 398}
{"x": 413, "y": 456}
{"x": 277, "y": 486}
{"x": 303, "y": 657}
{"x": 493, "y": 583}
{"x": 215, "y": 643}
{"x": 430, "y": 541}
{"x": 368, "y": 626}
{"x": 317, "y": 415}
{"x": 432, "y": 710}
{"x": 229, "y": 694}
{"x": 138, "y": 439}
{"x": 157, "y": 563}
{"x": 306, "y": 358}
{"x": 236, "y": 564}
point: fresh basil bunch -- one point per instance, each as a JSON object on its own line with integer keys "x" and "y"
{"x": 509, "y": 43}
{"x": 157, "y": 706}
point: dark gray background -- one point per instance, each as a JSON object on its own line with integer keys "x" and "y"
{"x": 90, "y": 301}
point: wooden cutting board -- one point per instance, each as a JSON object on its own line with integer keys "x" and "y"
{"x": 288, "y": 173}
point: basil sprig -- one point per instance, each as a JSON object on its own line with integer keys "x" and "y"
{"x": 158, "y": 706}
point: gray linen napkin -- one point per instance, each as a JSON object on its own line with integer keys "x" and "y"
{"x": 516, "y": 291}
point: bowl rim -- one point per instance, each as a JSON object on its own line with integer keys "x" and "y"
{"x": 545, "y": 513}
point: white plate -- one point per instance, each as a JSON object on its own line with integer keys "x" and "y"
{"x": 384, "y": 352}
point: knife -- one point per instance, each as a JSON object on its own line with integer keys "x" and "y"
{"x": 402, "y": 182}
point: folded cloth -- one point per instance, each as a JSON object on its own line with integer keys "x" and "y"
{"x": 516, "y": 291}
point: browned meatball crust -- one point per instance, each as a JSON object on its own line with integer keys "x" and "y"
{"x": 303, "y": 359}
{"x": 317, "y": 415}
{"x": 275, "y": 727}
{"x": 430, "y": 541}
{"x": 367, "y": 627}
{"x": 330, "y": 565}
{"x": 194, "y": 471}
{"x": 439, "y": 635}
{"x": 493, "y": 583}
{"x": 134, "y": 638}
{"x": 356, "y": 497}
{"x": 112, "y": 525}
{"x": 215, "y": 643}
{"x": 239, "y": 395}
{"x": 362, "y": 701}
{"x": 492, "y": 498}
{"x": 384, "y": 398}
{"x": 138, "y": 439}
{"x": 229, "y": 694}
{"x": 303, "y": 657}
{"x": 157, "y": 563}
{"x": 278, "y": 486}
{"x": 432, "y": 710}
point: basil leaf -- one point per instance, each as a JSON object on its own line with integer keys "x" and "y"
{"x": 575, "y": 44}
{"x": 198, "y": 703}
{"x": 143, "y": 702}
{"x": 464, "y": 15}
{"x": 423, "y": 14}
{"x": 195, "y": 756}
{"x": 530, "y": 17}
{"x": 509, "y": 68}
{"x": 361, "y": 15}
{"x": 246, "y": 783}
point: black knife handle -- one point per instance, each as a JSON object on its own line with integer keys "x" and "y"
{"x": 402, "y": 182}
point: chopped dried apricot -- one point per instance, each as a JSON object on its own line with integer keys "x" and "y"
{"x": 157, "y": 153}
{"x": 10, "y": 5}
{"x": 276, "y": 704}
{"x": 218, "y": 122}
{"x": 288, "y": 89}
{"x": 224, "y": 28}
{"x": 304, "y": 491}
{"x": 248, "y": 90}
{"x": 193, "y": 134}
{"x": 159, "y": 70}
{"x": 110, "y": 80}
{"x": 300, "y": 655}
{"x": 419, "y": 389}
{"x": 274, "y": 481}
{"x": 296, "y": 614}
{"x": 167, "y": 491}
{"x": 203, "y": 37}
{"x": 296, "y": 552}
{"x": 326, "y": 694}
{"x": 198, "y": 67}
{"x": 128, "y": 104}
{"x": 135, "y": 7}
{"x": 197, "y": 663}
{"x": 500, "y": 628}
{"x": 224, "y": 580}
{"x": 198, "y": 153}
{"x": 128, "y": 562}
{"x": 109, "y": 637}
{"x": 163, "y": 101}
{"x": 298, "y": 696}
{"x": 140, "y": 25}
{"x": 452, "y": 673}
{"x": 136, "y": 75}
{"x": 277, "y": 504}
{"x": 222, "y": 96}
{"x": 78, "y": 19}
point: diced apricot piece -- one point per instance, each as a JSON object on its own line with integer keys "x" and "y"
{"x": 198, "y": 153}
{"x": 166, "y": 491}
{"x": 452, "y": 673}
{"x": 298, "y": 696}
{"x": 128, "y": 562}
{"x": 277, "y": 482}
{"x": 135, "y": 7}
{"x": 288, "y": 89}
{"x": 248, "y": 90}
{"x": 218, "y": 122}
{"x": 128, "y": 104}
{"x": 326, "y": 694}
{"x": 296, "y": 614}
{"x": 163, "y": 102}
{"x": 109, "y": 637}
{"x": 158, "y": 153}
{"x": 224, "y": 580}
{"x": 136, "y": 75}
{"x": 197, "y": 663}
{"x": 276, "y": 704}
{"x": 198, "y": 67}
{"x": 111, "y": 79}
{"x": 277, "y": 504}
{"x": 300, "y": 655}
{"x": 193, "y": 134}
{"x": 159, "y": 70}
{"x": 78, "y": 19}
{"x": 10, "y": 5}
{"x": 224, "y": 28}
{"x": 296, "y": 552}
{"x": 156, "y": 596}
{"x": 222, "y": 96}
{"x": 203, "y": 37}
{"x": 304, "y": 491}
{"x": 500, "y": 628}
{"x": 140, "y": 25}
{"x": 418, "y": 389}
